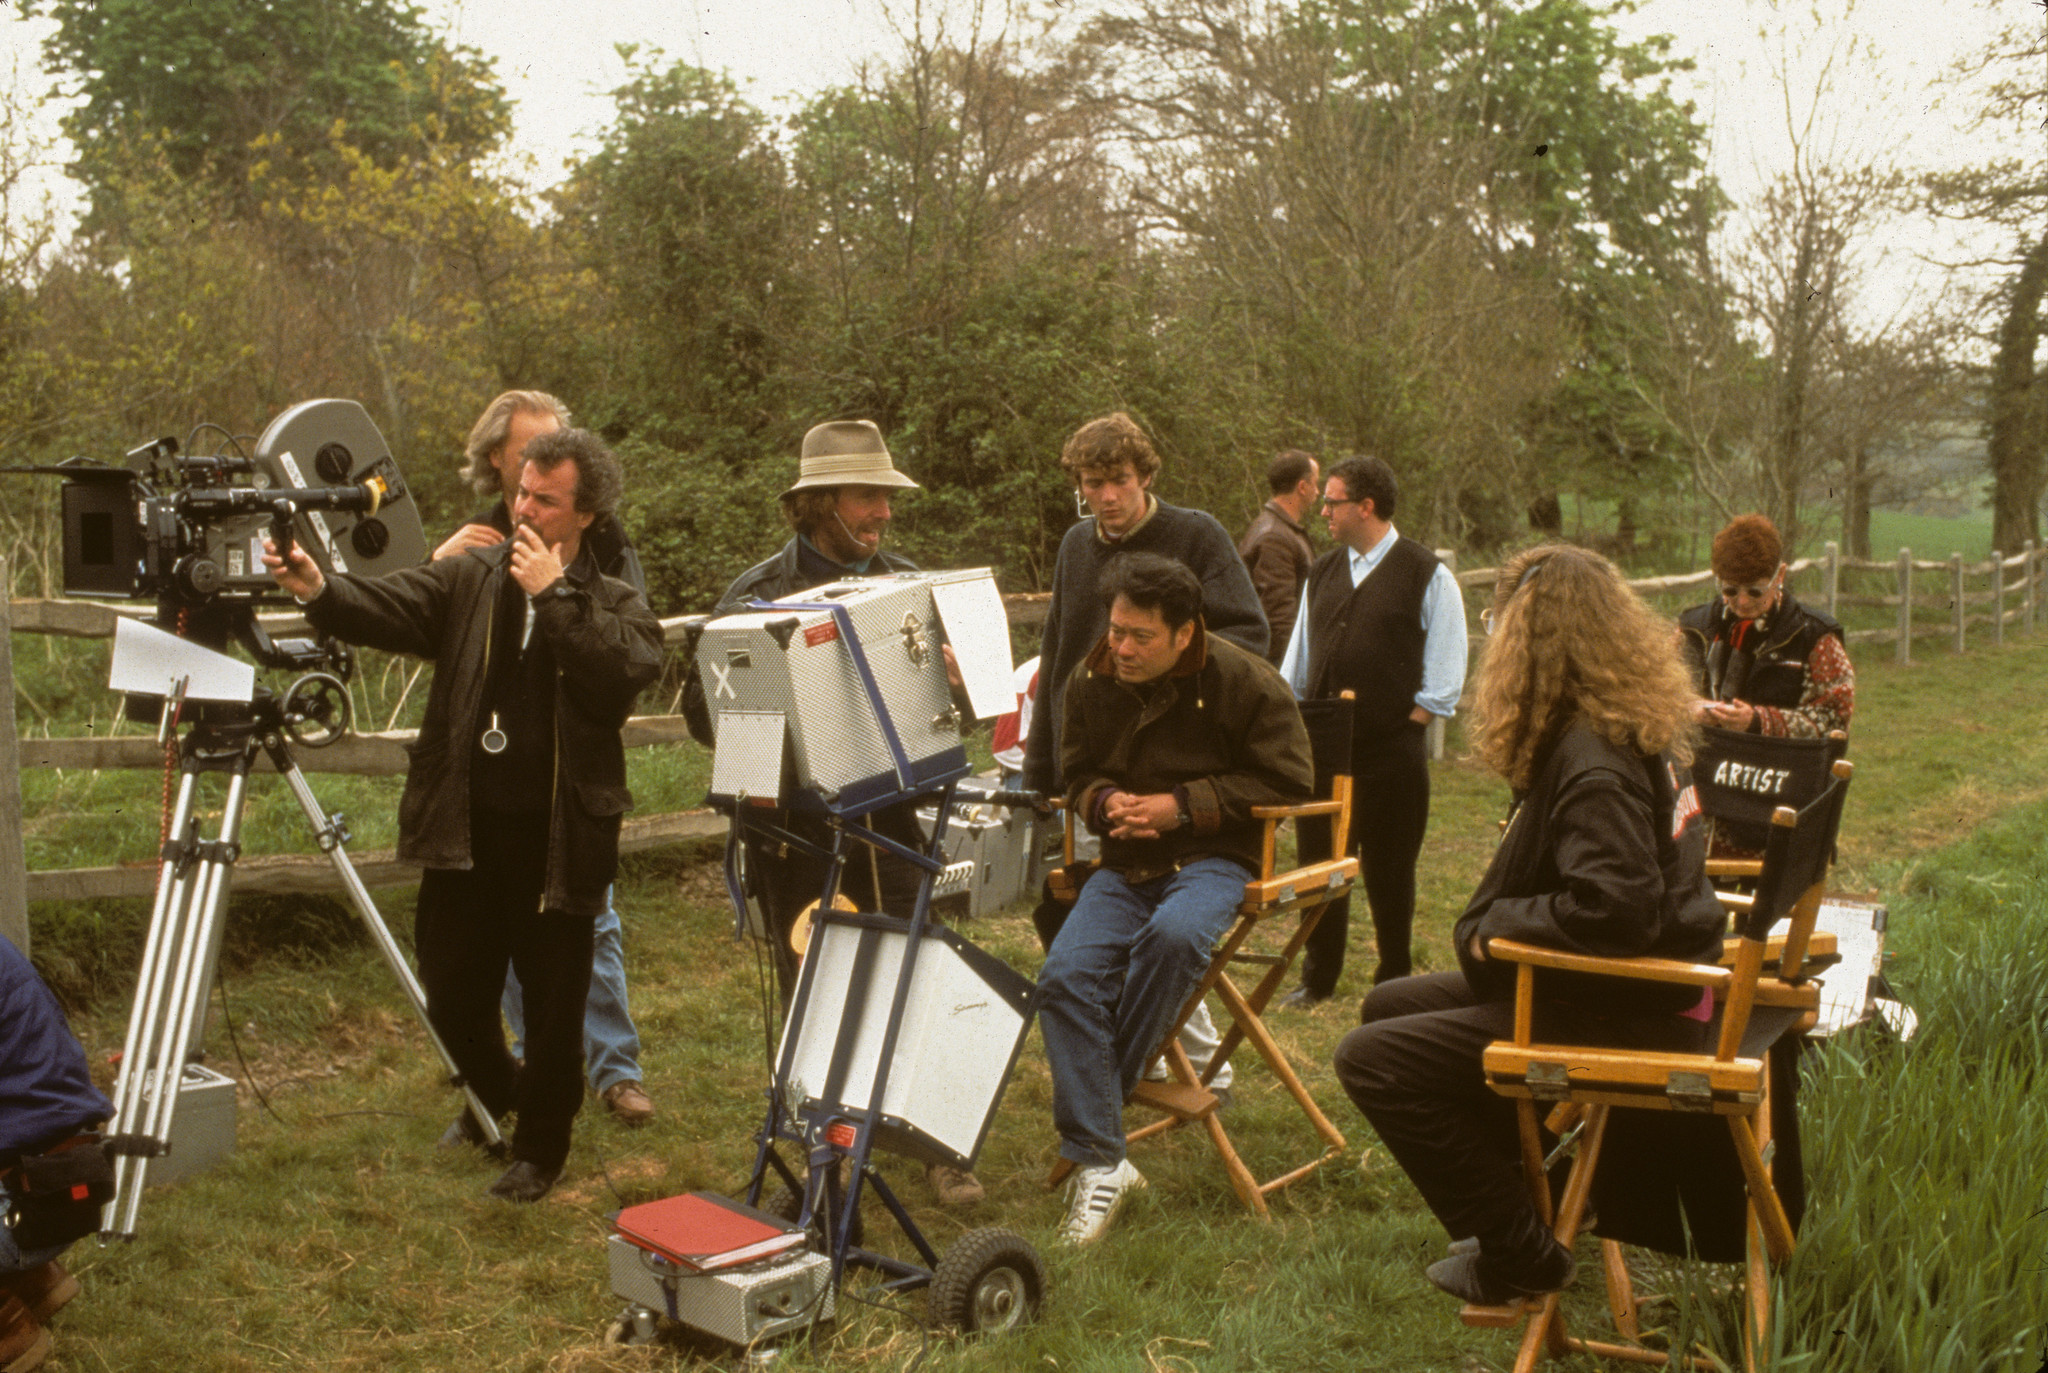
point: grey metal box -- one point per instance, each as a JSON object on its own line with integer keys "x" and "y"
{"x": 742, "y": 1305}
{"x": 797, "y": 663}
{"x": 998, "y": 842}
{"x": 202, "y": 1126}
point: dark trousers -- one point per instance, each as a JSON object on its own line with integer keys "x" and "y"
{"x": 1414, "y": 1068}
{"x": 469, "y": 928}
{"x": 1389, "y": 815}
{"x": 785, "y": 880}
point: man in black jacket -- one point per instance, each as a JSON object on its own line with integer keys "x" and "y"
{"x": 496, "y": 454}
{"x": 517, "y": 783}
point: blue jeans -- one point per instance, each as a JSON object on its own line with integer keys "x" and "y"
{"x": 1115, "y": 978}
{"x": 13, "y": 1258}
{"x": 611, "y": 1046}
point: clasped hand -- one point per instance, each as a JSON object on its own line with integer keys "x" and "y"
{"x": 1131, "y": 816}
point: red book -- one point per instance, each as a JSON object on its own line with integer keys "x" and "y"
{"x": 703, "y": 1231}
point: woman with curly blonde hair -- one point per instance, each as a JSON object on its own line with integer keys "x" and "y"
{"x": 1585, "y": 648}
{"x": 1584, "y": 706}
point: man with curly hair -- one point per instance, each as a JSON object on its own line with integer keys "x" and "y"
{"x": 1766, "y": 663}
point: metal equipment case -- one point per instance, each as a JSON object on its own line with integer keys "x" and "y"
{"x": 788, "y": 691}
{"x": 788, "y": 1292}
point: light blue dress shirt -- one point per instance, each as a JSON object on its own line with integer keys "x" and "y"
{"x": 1443, "y": 628}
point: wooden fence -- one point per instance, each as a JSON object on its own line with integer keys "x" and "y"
{"x": 1928, "y": 599}
{"x": 1991, "y": 595}
{"x": 378, "y": 754}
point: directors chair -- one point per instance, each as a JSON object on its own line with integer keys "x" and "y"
{"x": 1742, "y": 779}
{"x": 1761, "y": 993}
{"x": 1310, "y": 890}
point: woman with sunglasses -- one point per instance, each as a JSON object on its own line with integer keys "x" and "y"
{"x": 1766, "y": 664}
{"x": 1583, "y": 704}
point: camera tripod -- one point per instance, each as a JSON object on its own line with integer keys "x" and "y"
{"x": 185, "y": 924}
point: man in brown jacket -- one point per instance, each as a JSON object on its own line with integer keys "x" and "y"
{"x": 1275, "y": 550}
{"x": 1172, "y": 735}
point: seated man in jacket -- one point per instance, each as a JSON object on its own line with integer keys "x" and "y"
{"x": 1171, "y": 736}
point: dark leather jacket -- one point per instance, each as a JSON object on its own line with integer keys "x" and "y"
{"x": 607, "y": 646}
{"x": 1769, "y": 669}
{"x": 1605, "y": 855}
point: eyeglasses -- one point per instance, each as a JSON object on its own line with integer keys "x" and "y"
{"x": 1486, "y": 622}
{"x": 1755, "y": 591}
{"x": 1329, "y": 504}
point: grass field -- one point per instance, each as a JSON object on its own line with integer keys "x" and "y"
{"x": 337, "y": 1237}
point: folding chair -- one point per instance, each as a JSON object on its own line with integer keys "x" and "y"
{"x": 1586, "y": 1082}
{"x": 1743, "y": 778}
{"x": 1185, "y": 1097}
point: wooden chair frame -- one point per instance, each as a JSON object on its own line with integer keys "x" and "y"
{"x": 1185, "y": 1096}
{"x": 1585, "y": 1083}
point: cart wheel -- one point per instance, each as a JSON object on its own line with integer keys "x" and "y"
{"x": 989, "y": 1281}
{"x": 789, "y": 1205}
{"x": 634, "y": 1325}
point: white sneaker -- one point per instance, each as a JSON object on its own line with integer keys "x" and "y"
{"x": 1097, "y": 1194}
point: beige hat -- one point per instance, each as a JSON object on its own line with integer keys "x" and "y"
{"x": 846, "y": 453}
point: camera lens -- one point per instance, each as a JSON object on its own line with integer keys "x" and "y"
{"x": 370, "y": 538}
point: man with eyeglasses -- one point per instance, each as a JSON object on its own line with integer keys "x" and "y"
{"x": 1382, "y": 618}
{"x": 1766, "y": 663}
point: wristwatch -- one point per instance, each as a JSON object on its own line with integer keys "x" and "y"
{"x": 1180, "y": 809}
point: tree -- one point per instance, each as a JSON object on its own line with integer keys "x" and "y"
{"x": 1401, "y": 201}
{"x": 2008, "y": 193}
{"x": 221, "y": 85}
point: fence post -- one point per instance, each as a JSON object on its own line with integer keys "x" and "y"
{"x": 1997, "y": 597}
{"x": 1905, "y": 649}
{"x": 1955, "y": 586}
{"x": 13, "y": 858}
{"x": 2029, "y": 583}
{"x": 1449, "y": 558}
{"x": 1834, "y": 576}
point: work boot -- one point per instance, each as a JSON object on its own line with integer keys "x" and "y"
{"x": 42, "y": 1289}
{"x": 953, "y": 1186}
{"x": 1481, "y": 1281}
{"x": 629, "y": 1102}
{"x": 524, "y": 1181}
{"x": 24, "y": 1344}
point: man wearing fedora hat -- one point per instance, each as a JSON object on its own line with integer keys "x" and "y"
{"x": 838, "y": 512}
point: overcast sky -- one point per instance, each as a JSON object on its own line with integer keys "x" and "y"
{"x": 559, "y": 59}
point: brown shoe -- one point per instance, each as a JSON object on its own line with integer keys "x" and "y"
{"x": 24, "y": 1344}
{"x": 629, "y": 1103}
{"x": 953, "y": 1186}
{"x": 42, "y": 1289}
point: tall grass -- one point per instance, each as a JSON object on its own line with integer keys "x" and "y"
{"x": 1927, "y": 1243}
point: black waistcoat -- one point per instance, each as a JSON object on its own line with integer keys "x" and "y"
{"x": 1370, "y": 638}
{"x": 1769, "y": 667}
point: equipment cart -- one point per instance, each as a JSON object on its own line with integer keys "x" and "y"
{"x": 834, "y": 704}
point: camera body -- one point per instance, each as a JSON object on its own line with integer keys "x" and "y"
{"x": 189, "y": 530}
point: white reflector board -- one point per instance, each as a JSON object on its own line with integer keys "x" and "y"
{"x": 963, "y": 1025}
{"x": 151, "y": 662}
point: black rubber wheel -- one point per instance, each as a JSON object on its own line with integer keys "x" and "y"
{"x": 780, "y": 1201}
{"x": 988, "y": 1282}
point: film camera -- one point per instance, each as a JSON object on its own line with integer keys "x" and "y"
{"x": 187, "y": 530}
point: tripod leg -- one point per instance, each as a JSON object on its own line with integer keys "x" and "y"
{"x": 330, "y": 843}
{"x": 191, "y": 977}
{"x": 138, "y": 1048}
